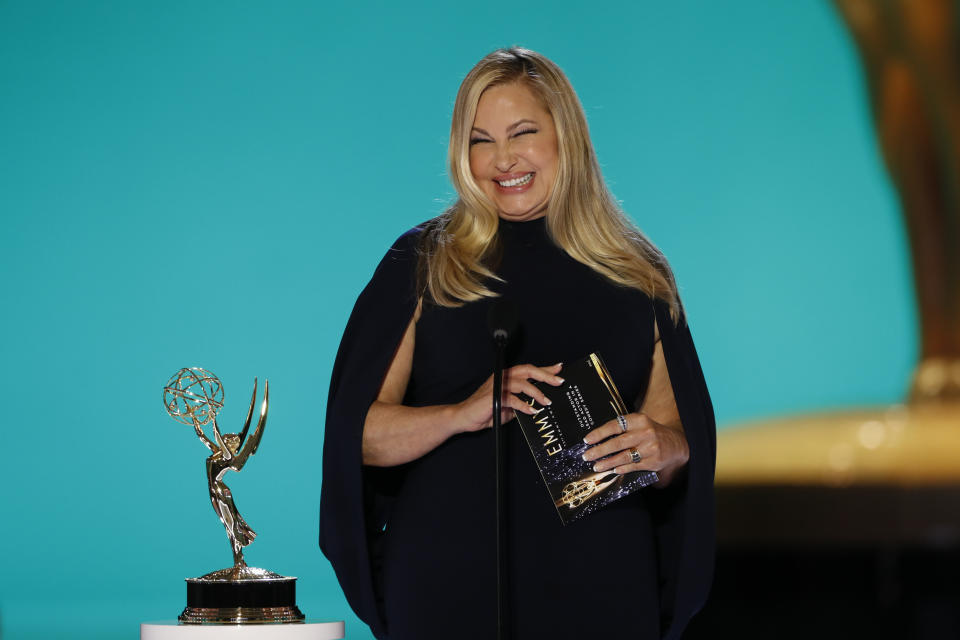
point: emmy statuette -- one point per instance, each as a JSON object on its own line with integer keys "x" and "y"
{"x": 238, "y": 594}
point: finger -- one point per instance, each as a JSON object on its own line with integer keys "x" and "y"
{"x": 609, "y": 447}
{"x": 634, "y": 422}
{"x": 630, "y": 468}
{"x": 528, "y": 371}
{"x": 620, "y": 459}
{"x": 514, "y": 402}
{"x": 530, "y": 390}
{"x": 603, "y": 432}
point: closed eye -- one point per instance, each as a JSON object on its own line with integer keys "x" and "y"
{"x": 474, "y": 141}
{"x": 520, "y": 133}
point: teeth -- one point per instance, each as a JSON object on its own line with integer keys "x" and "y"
{"x": 516, "y": 182}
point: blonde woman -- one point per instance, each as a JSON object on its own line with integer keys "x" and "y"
{"x": 408, "y": 488}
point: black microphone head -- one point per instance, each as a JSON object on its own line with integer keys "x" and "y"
{"x": 502, "y": 319}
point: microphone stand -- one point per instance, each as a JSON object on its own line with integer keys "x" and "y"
{"x": 500, "y": 343}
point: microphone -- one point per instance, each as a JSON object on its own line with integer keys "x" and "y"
{"x": 502, "y": 320}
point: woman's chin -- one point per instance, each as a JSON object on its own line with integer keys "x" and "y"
{"x": 523, "y": 215}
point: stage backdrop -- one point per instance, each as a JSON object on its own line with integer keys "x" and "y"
{"x": 211, "y": 184}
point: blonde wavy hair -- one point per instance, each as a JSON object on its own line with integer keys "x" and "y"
{"x": 582, "y": 216}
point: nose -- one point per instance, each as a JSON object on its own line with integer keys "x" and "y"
{"x": 505, "y": 159}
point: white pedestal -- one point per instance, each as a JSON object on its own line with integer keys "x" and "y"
{"x": 294, "y": 631}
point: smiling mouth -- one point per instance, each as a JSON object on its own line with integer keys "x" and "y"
{"x": 516, "y": 182}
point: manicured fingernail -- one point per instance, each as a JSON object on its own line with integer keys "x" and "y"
{"x": 586, "y": 441}
{"x": 595, "y": 468}
{"x": 585, "y": 458}
{"x": 559, "y": 380}
{"x": 548, "y": 401}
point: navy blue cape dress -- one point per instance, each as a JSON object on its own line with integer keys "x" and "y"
{"x": 413, "y": 546}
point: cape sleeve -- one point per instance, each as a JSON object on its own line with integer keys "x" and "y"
{"x": 353, "y": 500}
{"x": 683, "y": 513}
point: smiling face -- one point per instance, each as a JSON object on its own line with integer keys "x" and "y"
{"x": 513, "y": 151}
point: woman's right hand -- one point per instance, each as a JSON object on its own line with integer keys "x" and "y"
{"x": 476, "y": 412}
{"x": 395, "y": 434}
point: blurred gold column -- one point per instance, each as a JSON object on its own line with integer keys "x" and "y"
{"x": 888, "y": 475}
{"x": 910, "y": 51}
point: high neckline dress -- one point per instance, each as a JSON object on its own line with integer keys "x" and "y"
{"x": 594, "y": 578}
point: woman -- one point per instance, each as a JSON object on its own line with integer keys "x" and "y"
{"x": 408, "y": 489}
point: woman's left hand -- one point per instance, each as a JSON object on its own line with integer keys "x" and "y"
{"x": 660, "y": 447}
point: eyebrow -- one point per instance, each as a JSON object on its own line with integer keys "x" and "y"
{"x": 510, "y": 128}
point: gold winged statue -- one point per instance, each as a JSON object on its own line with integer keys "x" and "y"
{"x": 196, "y": 395}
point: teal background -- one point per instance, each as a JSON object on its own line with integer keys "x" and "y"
{"x": 211, "y": 184}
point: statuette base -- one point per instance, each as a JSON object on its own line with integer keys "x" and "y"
{"x": 241, "y": 615}
{"x": 241, "y": 595}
